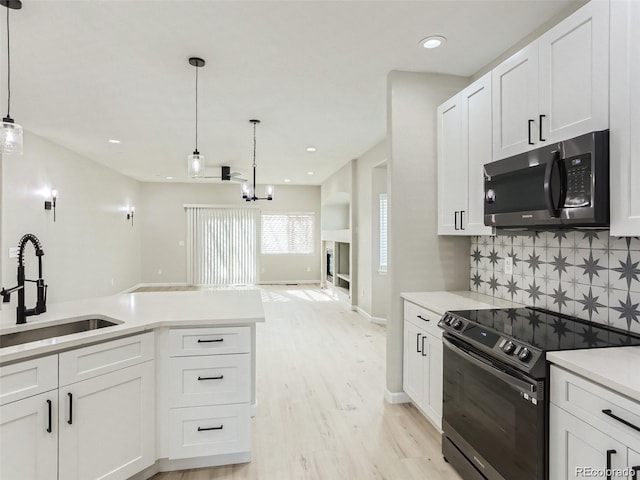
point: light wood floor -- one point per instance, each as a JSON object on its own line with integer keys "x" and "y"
{"x": 321, "y": 413}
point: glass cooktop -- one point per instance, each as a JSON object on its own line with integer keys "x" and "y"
{"x": 548, "y": 330}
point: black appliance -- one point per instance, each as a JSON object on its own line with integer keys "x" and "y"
{"x": 495, "y": 400}
{"x": 562, "y": 184}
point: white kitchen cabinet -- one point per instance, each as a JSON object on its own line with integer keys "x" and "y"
{"x": 29, "y": 438}
{"x": 575, "y": 446}
{"x": 625, "y": 118}
{"x": 422, "y": 363}
{"x": 515, "y": 102}
{"x": 590, "y": 426}
{"x": 107, "y": 425}
{"x": 555, "y": 88}
{"x": 464, "y": 146}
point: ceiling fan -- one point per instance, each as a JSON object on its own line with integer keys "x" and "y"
{"x": 227, "y": 175}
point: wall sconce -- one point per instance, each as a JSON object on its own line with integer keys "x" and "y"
{"x": 51, "y": 204}
{"x": 130, "y": 212}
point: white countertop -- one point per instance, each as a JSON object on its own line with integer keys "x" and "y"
{"x": 134, "y": 312}
{"x": 440, "y": 302}
{"x": 614, "y": 367}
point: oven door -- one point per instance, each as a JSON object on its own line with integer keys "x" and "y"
{"x": 493, "y": 415}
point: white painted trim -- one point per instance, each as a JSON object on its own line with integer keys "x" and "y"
{"x": 396, "y": 397}
{"x": 286, "y": 282}
{"x": 372, "y": 319}
{"x": 199, "y": 205}
{"x": 166, "y": 465}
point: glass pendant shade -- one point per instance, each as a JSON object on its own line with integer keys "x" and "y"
{"x": 196, "y": 165}
{"x": 11, "y": 137}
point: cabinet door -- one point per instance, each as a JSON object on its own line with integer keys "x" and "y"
{"x": 433, "y": 390}
{"x": 476, "y": 141}
{"x": 625, "y": 118}
{"x": 107, "y": 425}
{"x": 574, "y": 76}
{"x": 413, "y": 371}
{"x": 515, "y": 102}
{"x": 575, "y": 446}
{"x": 28, "y": 451}
{"x": 634, "y": 464}
{"x": 452, "y": 169}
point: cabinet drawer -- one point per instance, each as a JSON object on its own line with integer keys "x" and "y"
{"x": 209, "y": 341}
{"x": 210, "y": 380}
{"x": 89, "y": 362}
{"x": 425, "y": 319}
{"x": 587, "y": 400}
{"x": 24, "y": 379}
{"x": 206, "y": 431}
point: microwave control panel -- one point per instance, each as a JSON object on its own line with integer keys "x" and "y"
{"x": 578, "y": 181}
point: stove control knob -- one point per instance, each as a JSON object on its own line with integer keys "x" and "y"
{"x": 508, "y": 348}
{"x": 457, "y": 324}
{"x": 524, "y": 354}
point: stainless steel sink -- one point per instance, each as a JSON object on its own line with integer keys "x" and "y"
{"x": 26, "y": 336}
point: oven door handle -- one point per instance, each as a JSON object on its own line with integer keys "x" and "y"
{"x": 515, "y": 383}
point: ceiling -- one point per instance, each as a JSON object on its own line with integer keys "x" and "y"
{"x": 314, "y": 73}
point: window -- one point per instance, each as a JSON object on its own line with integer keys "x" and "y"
{"x": 287, "y": 233}
{"x": 383, "y": 232}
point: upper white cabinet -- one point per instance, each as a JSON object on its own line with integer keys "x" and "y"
{"x": 557, "y": 87}
{"x": 625, "y": 118}
{"x": 464, "y": 146}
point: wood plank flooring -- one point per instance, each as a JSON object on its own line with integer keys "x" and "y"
{"x": 321, "y": 412}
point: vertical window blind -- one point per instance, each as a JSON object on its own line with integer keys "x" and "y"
{"x": 222, "y": 246}
{"x": 383, "y": 231}
{"x": 287, "y": 233}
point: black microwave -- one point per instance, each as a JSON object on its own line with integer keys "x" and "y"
{"x": 562, "y": 184}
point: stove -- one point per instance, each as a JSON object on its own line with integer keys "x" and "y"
{"x": 495, "y": 398}
{"x": 520, "y": 336}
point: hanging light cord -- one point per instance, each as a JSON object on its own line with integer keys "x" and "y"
{"x": 254, "y": 145}
{"x": 8, "y": 68}
{"x": 196, "y": 108}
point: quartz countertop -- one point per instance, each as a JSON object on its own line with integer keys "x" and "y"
{"x": 440, "y": 302}
{"x": 614, "y": 367}
{"x": 134, "y": 313}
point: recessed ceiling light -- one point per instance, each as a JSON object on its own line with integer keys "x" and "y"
{"x": 311, "y": 149}
{"x": 309, "y": 173}
{"x": 433, "y": 41}
{"x": 287, "y": 180}
{"x": 169, "y": 178}
{"x": 114, "y": 141}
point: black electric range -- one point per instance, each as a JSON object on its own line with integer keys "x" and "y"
{"x": 495, "y": 399}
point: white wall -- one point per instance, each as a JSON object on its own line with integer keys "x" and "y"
{"x": 164, "y": 226}
{"x": 371, "y": 296}
{"x": 419, "y": 260}
{"x": 91, "y": 249}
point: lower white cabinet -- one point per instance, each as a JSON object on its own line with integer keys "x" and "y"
{"x": 422, "y": 369}
{"x": 577, "y": 448}
{"x": 29, "y": 438}
{"x": 107, "y": 425}
{"x": 591, "y": 429}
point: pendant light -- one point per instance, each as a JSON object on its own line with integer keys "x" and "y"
{"x": 248, "y": 192}
{"x": 195, "y": 165}
{"x": 11, "y": 133}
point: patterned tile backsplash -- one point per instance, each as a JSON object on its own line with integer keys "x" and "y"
{"x": 584, "y": 273}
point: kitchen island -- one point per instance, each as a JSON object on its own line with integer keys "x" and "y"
{"x": 170, "y": 386}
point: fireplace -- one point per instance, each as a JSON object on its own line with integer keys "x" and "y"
{"x": 330, "y": 264}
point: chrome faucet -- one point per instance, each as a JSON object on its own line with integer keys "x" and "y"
{"x": 41, "y": 303}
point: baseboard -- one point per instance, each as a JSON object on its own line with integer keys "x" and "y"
{"x": 396, "y": 397}
{"x": 166, "y": 465}
{"x": 372, "y": 319}
{"x": 290, "y": 282}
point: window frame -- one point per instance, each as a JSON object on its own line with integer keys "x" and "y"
{"x": 312, "y": 215}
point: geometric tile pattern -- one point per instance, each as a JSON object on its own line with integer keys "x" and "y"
{"x": 584, "y": 273}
